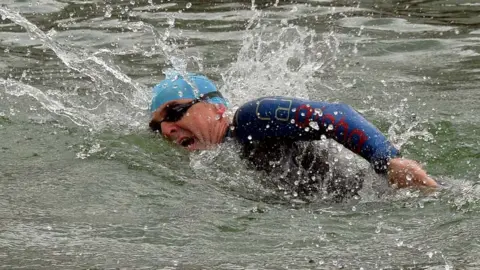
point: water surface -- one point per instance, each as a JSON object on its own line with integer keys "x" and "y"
{"x": 84, "y": 185}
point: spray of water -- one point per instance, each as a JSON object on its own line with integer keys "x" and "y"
{"x": 276, "y": 61}
{"x": 405, "y": 127}
{"x": 79, "y": 116}
{"x": 114, "y": 97}
{"x": 113, "y": 89}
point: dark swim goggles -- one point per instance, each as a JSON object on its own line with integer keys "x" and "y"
{"x": 176, "y": 112}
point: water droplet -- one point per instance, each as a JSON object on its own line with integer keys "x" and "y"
{"x": 335, "y": 112}
{"x": 249, "y": 137}
{"x": 292, "y": 121}
{"x": 188, "y": 5}
{"x": 314, "y": 125}
{"x": 307, "y": 129}
{"x": 171, "y": 22}
{"x": 294, "y": 109}
{"x": 108, "y": 11}
{"x": 421, "y": 204}
{"x": 330, "y": 127}
{"x": 267, "y": 126}
{"x": 302, "y": 114}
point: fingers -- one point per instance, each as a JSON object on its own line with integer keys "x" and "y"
{"x": 427, "y": 182}
{"x": 405, "y": 173}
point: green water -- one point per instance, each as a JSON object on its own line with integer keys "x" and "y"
{"x": 84, "y": 185}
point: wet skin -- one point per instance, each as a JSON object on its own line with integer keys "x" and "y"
{"x": 202, "y": 127}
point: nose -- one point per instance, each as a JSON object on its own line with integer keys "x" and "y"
{"x": 169, "y": 129}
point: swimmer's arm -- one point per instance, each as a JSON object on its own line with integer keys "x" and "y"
{"x": 356, "y": 133}
{"x": 297, "y": 119}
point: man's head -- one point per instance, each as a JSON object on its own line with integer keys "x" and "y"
{"x": 189, "y": 111}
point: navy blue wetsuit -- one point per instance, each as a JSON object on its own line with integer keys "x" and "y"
{"x": 276, "y": 129}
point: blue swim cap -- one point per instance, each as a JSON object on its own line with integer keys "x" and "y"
{"x": 176, "y": 87}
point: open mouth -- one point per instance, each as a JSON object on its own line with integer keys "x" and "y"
{"x": 186, "y": 142}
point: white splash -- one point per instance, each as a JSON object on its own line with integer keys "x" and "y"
{"x": 276, "y": 61}
{"x": 114, "y": 99}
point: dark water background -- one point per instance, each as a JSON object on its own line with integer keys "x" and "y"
{"x": 84, "y": 185}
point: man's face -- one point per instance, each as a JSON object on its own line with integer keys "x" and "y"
{"x": 195, "y": 130}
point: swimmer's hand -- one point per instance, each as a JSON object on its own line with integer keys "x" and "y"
{"x": 404, "y": 173}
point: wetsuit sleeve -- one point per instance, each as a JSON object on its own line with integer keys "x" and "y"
{"x": 297, "y": 119}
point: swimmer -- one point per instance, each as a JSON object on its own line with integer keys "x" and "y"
{"x": 269, "y": 129}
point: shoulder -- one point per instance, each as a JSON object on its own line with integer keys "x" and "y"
{"x": 270, "y": 102}
{"x": 261, "y": 108}
{"x": 279, "y": 108}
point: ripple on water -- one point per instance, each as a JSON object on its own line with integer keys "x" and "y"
{"x": 391, "y": 24}
{"x": 41, "y": 6}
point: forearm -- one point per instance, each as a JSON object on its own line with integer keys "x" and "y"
{"x": 348, "y": 127}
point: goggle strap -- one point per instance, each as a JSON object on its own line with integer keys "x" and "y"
{"x": 211, "y": 95}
